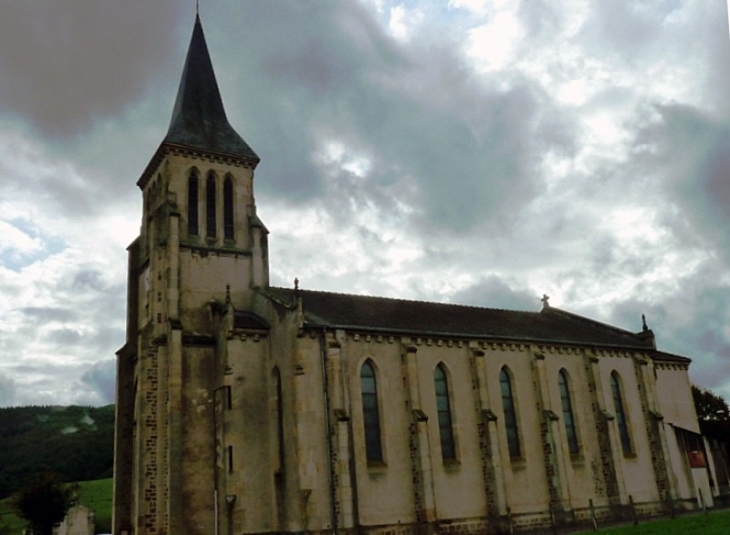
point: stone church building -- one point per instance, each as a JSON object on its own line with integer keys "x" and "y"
{"x": 246, "y": 408}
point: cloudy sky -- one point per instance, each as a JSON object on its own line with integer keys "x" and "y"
{"x": 483, "y": 152}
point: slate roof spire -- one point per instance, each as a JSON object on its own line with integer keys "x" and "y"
{"x": 198, "y": 118}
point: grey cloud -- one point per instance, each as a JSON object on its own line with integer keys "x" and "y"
{"x": 543, "y": 18}
{"x": 59, "y": 383}
{"x": 64, "y": 337}
{"x": 627, "y": 314}
{"x": 108, "y": 338}
{"x": 494, "y": 292}
{"x": 49, "y": 383}
{"x": 60, "y": 369}
{"x": 413, "y": 109}
{"x": 689, "y": 156}
{"x": 64, "y": 64}
{"x": 88, "y": 279}
{"x": 627, "y": 26}
{"x": 109, "y": 302}
{"x": 634, "y": 32}
{"x": 101, "y": 377}
{"x": 691, "y": 322}
{"x": 88, "y": 282}
{"x": 292, "y": 86}
{"x": 8, "y": 390}
{"x": 87, "y": 321}
{"x": 50, "y": 313}
{"x": 72, "y": 76}
{"x": 713, "y": 34}
{"x": 468, "y": 176}
{"x": 329, "y": 72}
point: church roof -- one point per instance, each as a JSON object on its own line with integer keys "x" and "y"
{"x": 398, "y": 316}
{"x": 198, "y": 118}
{"x": 670, "y": 358}
{"x": 243, "y": 319}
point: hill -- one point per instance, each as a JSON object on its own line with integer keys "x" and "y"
{"x": 75, "y": 442}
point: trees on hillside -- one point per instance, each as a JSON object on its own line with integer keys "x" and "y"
{"x": 43, "y": 502}
{"x": 75, "y": 442}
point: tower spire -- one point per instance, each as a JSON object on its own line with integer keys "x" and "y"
{"x": 198, "y": 118}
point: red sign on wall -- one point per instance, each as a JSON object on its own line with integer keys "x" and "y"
{"x": 697, "y": 459}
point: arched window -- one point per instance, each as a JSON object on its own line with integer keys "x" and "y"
{"x": 228, "y": 227}
{"x": 371, "y": 415}
{"x": 618, "y": 402}
{"x": 193, "y": 203}
{"x": 210, "y": 206}
{"x": 568, "y": 417}
{"x": 510, "y": 415}
{"x": 448, "y": 450}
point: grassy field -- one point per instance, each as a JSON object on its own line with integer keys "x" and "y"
{"x": 94, "y": 494}
{"x": 9, "y": 523}
{"x": 98, "y": 496}
{"x": 713, "y": 523}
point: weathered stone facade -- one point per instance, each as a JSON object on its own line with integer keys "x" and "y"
{"x": 244, "y": 408}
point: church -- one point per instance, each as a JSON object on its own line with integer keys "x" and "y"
{"x": 246, "y": 408}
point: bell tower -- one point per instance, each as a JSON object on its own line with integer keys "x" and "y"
{"x": 200, "y": 181}
{"x": 200, "y": 244}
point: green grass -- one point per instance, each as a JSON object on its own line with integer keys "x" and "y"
{"x": 96, "y": 495}
{"x": 9, "y": 523}
{"x": 713, "y": 523}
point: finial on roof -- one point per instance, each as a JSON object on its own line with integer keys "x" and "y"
{"x": 296, "y": 288}
{"x": 545, "y": 301}
{"x": 197, "y": 7}
{"x": 644, "y": 327}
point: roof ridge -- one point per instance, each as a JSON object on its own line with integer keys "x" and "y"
{"x": 660, "y": 353}
{"x": 400, "y": 299}
{"x": 398, "y": 315}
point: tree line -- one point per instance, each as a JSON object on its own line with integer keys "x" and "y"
{"x": 76, "y": 443}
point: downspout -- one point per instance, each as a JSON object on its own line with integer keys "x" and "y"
{"x": 216, "y": 507}
{"x": 215, "y": 512}
{"x": 330, "y": 466}
{"x": 215, "y": 464}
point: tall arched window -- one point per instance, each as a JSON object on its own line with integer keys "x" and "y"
{"x": 193, "y": 203}
{"x": 510, "y": 415}
{"x": 228, "y": 227}
{"x": 568, "y": 417}
{"x": 371, "y": 415}
{"x": 446, "y": 432}
{"x": 618, "y": 402}
{"x": 210, "y": 206}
